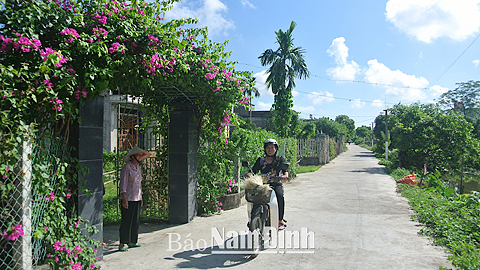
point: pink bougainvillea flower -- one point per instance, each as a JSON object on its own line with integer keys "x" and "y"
{"x": 46, "y": 52}
{"x": 72, "y": 33}
{"x": 56, "y": 107}
{"x": 117, "y": 47}
{"x": 57, "y": 246}
{"x": 99, "y": 31}
{"x": 78, "y": 250}
{"x": 68, "y": 195}
{"x": 4, "y": 176}
{"x": 62, "y": 60}
{"x": 51, "y": 198}
{"x": 48, "y": 84}
{"x": 17, "y": 232}
{"x": 77, "y": 266}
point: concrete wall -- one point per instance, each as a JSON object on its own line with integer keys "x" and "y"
{"x": 259, "y": 118}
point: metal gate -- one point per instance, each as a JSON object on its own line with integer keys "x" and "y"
{"x": 132, "y": 130}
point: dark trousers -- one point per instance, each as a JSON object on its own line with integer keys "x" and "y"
{"x": 130, "y": 223}
{"x": 278, "y": 187}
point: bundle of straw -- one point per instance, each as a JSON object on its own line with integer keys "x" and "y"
{"x": 254, "y": 181}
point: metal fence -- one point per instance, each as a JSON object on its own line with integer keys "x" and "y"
{"x": 133, "y": 131}
{"x": 22, "y": 206}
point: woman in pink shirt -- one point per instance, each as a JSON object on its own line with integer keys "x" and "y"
{"x": 131, "y": 196}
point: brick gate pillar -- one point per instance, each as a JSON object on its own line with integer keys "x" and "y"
{"x": 182, "y": 158}
{"x": 87, "y": 138}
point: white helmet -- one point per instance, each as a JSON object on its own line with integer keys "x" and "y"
{"x": 270, "y": 142}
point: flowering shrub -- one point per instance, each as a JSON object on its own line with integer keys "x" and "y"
{"x": 13, "y": 233}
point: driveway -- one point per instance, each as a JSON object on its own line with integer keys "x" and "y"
{"x": 348, "y": 212}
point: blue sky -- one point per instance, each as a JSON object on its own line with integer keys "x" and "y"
{"x": 364, "y": 56}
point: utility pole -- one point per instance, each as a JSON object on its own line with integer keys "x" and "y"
{"x": 386, "y": 135}
{"x": 372, "y": 133}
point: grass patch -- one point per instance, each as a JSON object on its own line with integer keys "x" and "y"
{"x": 307, "y": 169}
{"x": 110, "y": 202}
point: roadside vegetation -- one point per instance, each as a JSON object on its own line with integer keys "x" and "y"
{"x": 439, "y": 143}
{"x": 307, "y": 169}
{"x": 450, "y": 219}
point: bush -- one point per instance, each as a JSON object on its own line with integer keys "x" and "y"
{"x": 398, "y": 173}
{"x": 333, "y": 148}
{"x": 453, "y": 222}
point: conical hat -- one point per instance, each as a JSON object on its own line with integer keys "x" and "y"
{"x": 133, "y": 151}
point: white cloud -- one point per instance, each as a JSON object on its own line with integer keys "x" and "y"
{"x": 437, "y": 90}
{"x": 319, "y": 98}
{"x": 357, "y": 104}
{"x": 476, "y": 62}
{"x": 345, "y": 70}
{"x": 262, "y": 106}
{"x": 396, "y": 83}
{"x": 428, "y": 20}
{"x": 261, "y": 85}
{"x": 247, "y": 4}
{"x": 294, "y": 93}
{"x": 378, "y": 103}
{"x": 304, "y": 109}
{"x": 210, "y": 13}
{"x": 338, "y": 50}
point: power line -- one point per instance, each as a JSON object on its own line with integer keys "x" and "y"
{"x": 332, "y": 97}
{"x": 453, "y": 63}
{"x": 353, "y": 81}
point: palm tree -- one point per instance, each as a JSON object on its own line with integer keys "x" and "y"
{"x": 251, "y": 92}
{"x": 287, "y": 63}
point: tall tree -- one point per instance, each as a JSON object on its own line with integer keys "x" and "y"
{"x": 426, "y": 134}
{"x": 465, "y": 96}
{"x": 287, "y": 63}
{"x": 329, "y": 127}
{"x": 364, "y": 132}
{"x": 465, "y": 99}
{"x": 348, "y": 123}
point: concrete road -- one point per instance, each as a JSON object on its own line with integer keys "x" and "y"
{"x": 349, "y": 207}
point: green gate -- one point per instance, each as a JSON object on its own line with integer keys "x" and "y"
{"x": 132, "y": 129}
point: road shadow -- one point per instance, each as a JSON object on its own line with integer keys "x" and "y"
{"x": 371, "y": 170}
{"x": 364, "y": 155}
{"x": 111, "y": 234}
{"x": 207, "y": 258}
